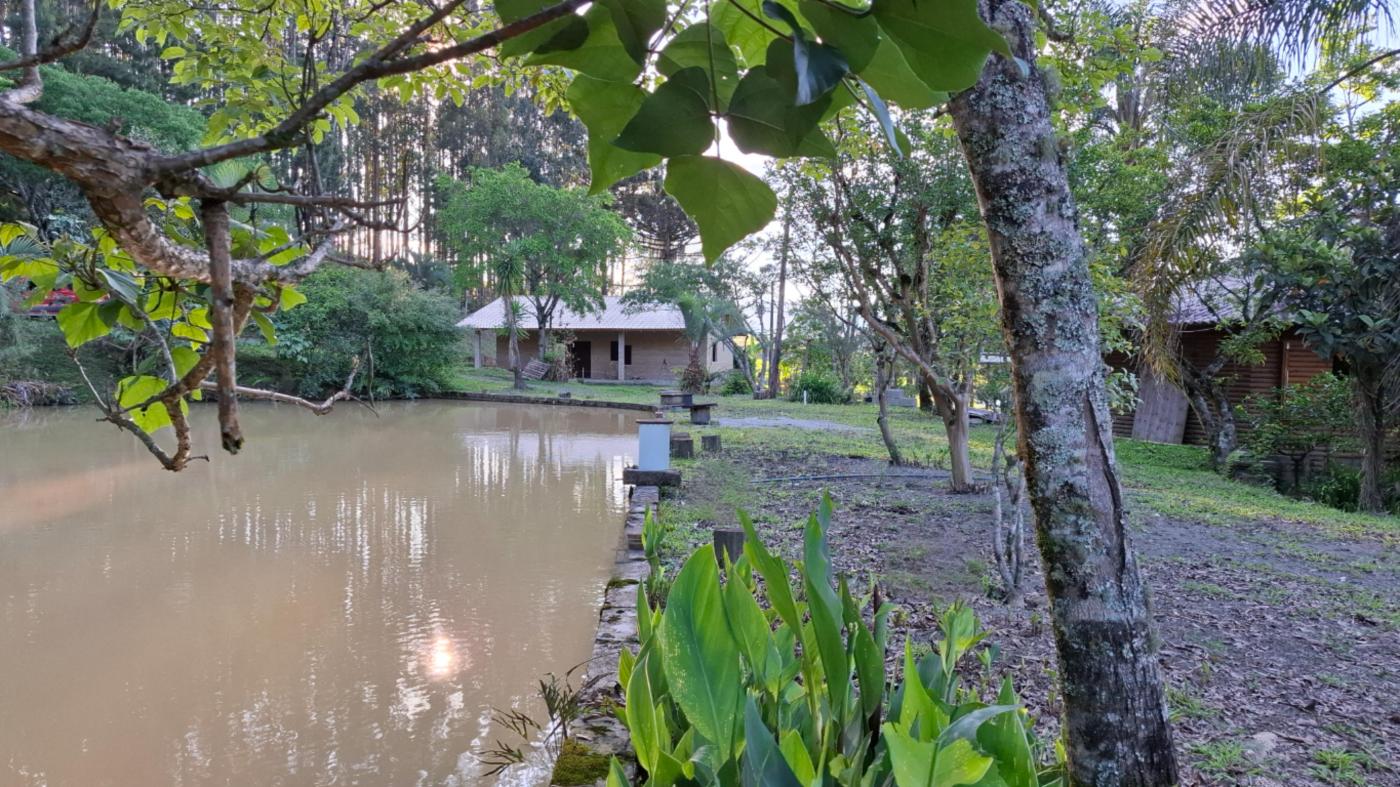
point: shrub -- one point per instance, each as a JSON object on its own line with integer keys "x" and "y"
{"x": 1298, "y": 420}
{"x": 406, "y": 338}
{"x": 735, "y": 383}
{"x": 1339, "y": 486}
{"x": 821, "y": 388}
{"x": 787, "y": 684}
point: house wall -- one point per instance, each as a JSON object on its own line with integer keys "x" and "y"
{"x": 655, "y": 354}
{"x": 1287, "y": 360}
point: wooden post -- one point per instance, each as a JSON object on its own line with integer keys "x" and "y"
{"x": 728, "y": 541}
{"x": 476, "y": 350}
{"x": 621, "y": 356}
{"x": 710, "y": 442}
{"x": 682, "y": 448}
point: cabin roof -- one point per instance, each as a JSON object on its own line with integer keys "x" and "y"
{"x": 615, "y": 316}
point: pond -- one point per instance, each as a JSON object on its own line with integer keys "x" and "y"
{"x": 345, "y": 602}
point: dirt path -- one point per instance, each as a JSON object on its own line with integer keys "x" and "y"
{"x": 1281, "y": 646}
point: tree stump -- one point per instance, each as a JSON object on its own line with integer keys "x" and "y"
{"x": 728, "y": 541}
{"x": 682, "y": 448}
{"x": 710, "y": 443}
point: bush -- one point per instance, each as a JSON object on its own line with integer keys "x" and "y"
{"x": 1339, "y": 486}
{"x": 788, "y": 683}
{"x": 821, "y": 388}
{"x": 406, "y": 338}
{"x": 734, "y": 383}
{"x": 1298, "y": 420}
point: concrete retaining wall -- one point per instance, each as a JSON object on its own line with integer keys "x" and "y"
{"x": 599, "y": 727}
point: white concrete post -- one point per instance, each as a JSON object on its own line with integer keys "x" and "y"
{"x": 621, "y": 355}
{"x": 476, "y": 350}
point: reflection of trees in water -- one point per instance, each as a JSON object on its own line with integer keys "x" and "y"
{"x": 353, "y": 585}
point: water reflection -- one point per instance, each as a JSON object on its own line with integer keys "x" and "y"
{"x": 342, "y": 604}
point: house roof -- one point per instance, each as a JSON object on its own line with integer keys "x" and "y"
{"x": 615, "y": 316}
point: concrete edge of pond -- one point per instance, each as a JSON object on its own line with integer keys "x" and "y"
{"x": 481, "y": 396}
{"x": 598, "y": 727}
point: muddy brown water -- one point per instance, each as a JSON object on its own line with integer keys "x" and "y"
{"x": 343, "y": 603}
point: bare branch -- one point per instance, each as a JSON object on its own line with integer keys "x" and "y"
{"x": 274, "y": 396}
{"x": 216, "y": 237}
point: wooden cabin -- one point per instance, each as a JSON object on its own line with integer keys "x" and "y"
{"x": 1163, "y": 414}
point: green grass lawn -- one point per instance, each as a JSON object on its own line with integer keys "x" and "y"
{"x": 1172, "y": 480}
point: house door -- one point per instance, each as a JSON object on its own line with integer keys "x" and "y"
{"x": 582, "y": 354}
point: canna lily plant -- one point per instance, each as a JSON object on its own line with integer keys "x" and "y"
{"x": 751, "y": 679}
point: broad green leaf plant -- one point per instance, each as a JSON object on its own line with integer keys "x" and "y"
{"x": 752, "y": 679}
{"x": 686, "y": 84}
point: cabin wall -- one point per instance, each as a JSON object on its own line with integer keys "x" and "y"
{"x": 1287, "y": 360}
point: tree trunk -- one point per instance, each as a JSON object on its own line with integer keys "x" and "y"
{"x": 778, "y": 316}
{"x": 1116, "y": 728}
{"x": 514, "y": 350}
{"x": 1369, "y": 389}
{"x": 1211, "y": 404}
{"x": 882, "y": 379}
{"x": 953, "y": 408}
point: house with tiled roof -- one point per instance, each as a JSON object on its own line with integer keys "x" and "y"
{"x": 619, "y": 342}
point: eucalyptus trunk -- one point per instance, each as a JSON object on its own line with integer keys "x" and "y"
{"x": 1116, "y": 728}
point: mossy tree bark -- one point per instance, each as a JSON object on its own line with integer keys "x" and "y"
{"x": 1116, "y": 725}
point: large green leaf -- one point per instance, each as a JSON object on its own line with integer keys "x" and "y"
{"x": 763, "y": 764}
{"x": 565, "y": 33}
{"x": 925, "y": 764}
{"x": 700, "y": 657}
{"x": 605, "y": 107}
{"x": 727, "y": 202}
{"x": 763, "y": 118}
{"x": 819, "y": 67}
{"x": 132, "y": 391}
{"x": 702, "y": 46}
{"x": 81, "y": 322}
{"x": 774, "y": 573}
{"x": 752, "y": 633}
{"x": 736, "y": 19}
{"x": 645, "y": 725}
{"x": 600, "y": 55}
{"x": 636, "y": 21}
{"x": 945, "y": 43}
{"x": 1004, "y": 737}
{"x": 675, "y": 120}
{"x": 856, "y": 37}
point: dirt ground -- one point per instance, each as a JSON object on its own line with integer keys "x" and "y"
{"x": 1280, "y": 645}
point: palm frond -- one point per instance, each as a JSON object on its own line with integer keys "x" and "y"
{"x": 1297, "y": 29}
{"x": 1215, "y": 195}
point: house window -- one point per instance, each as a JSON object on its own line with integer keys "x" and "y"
{"x": 612, "y": 353}
{"x": 714, "y": 352}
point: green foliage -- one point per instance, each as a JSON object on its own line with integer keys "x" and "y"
{"x": 1297, "y": 420}
{"x": 100, "y": 101}
{"x": 734, "y": 384}
{"x": 738, "y": 681}
{"x": 551, "y": 245}
{"x": 818, "y": 386}
{"x": 770, "y": 84}
{"x": 405, "y": 337}
{"x": 1339, "y": 486}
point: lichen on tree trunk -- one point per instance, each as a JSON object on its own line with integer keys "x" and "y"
{"x": 1117, "y": 732}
